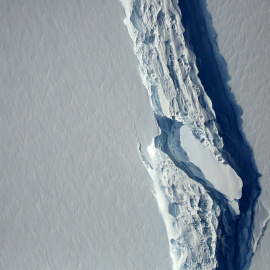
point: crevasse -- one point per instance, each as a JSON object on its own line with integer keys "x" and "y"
{"x": 196, "y": 189}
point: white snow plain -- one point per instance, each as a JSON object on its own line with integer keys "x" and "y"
{"x": 74, "y": 193}
{"x": 243, "y": 39}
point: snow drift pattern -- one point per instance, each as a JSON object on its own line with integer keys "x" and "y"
{"x": 197, "y": 191}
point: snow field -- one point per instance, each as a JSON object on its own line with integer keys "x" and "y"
{"x": 74, "y": 193}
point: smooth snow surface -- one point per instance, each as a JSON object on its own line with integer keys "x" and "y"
{"x": 243, "y": 38}
{"x": 74, "y": 193}
{"x": 222, "y": 177}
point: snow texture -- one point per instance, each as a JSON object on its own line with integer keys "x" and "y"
{"x": 74, "y": 193}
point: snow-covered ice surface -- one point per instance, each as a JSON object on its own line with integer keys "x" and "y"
{"x": 74, "y": 193}
{"x": 243, "y": 38}
{"x": 199, "y": 162}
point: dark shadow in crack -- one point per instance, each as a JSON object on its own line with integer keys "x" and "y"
{"x": 225, "y": 248}
{"x": 200, "y": 38}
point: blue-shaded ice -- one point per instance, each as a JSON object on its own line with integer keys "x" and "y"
{"x": 196, "y": 189}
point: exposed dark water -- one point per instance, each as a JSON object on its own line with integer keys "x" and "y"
{"x": 237, "y": 152}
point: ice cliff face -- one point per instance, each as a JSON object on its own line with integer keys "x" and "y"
{"x": 197, "y": 191}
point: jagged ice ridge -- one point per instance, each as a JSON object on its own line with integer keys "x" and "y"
{"x": 196, "y": 189}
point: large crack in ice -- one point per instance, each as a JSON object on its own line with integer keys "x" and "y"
{"x": 214, "y": 76}
{"x": 196, "y": 174}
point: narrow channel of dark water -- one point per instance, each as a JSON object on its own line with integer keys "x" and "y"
{"x": 237, "y": 152}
